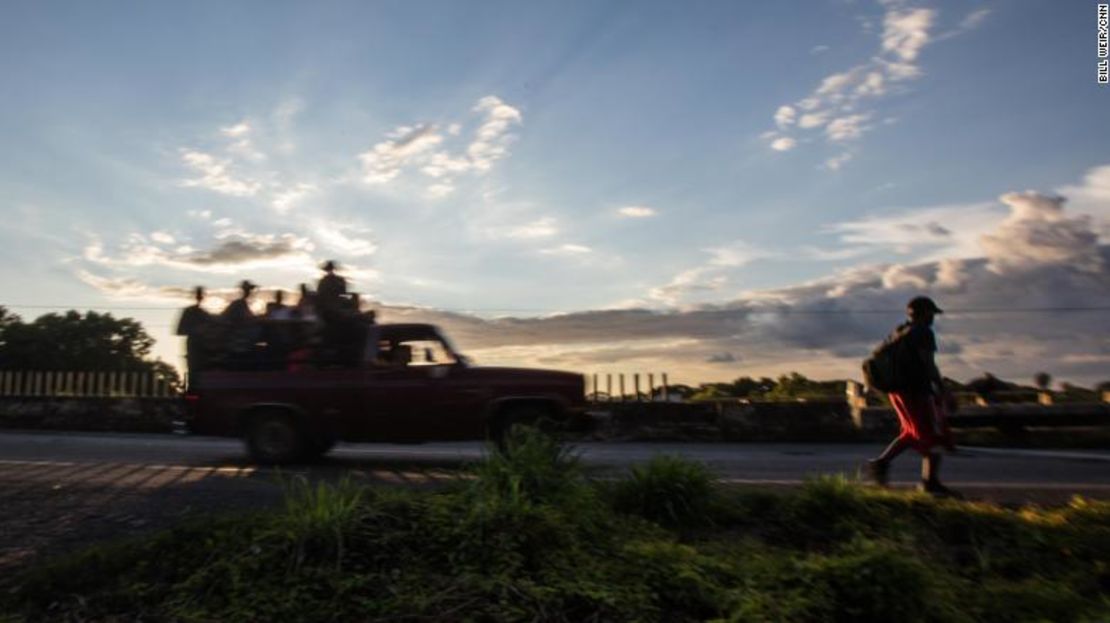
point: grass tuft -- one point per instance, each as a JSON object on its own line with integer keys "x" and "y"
{"x": 668, "y": 490}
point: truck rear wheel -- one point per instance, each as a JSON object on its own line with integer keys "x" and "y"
{"x": 273, "y": 438}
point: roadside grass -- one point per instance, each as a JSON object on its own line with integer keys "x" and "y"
{"x": 531, "y": 538}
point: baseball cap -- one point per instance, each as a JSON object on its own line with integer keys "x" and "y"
{"x": 923, "y": 303}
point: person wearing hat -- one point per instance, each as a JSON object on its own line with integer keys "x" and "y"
{"x": 919, "y": 401}
{"x": 238, "y": 312}
{"x": 194, "y": 325}
{"x": 241, "y": 331}
{"x": 330, "y": 290}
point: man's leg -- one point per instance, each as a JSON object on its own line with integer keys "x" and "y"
{"x": 896, "y": 447}
{"x": 930, "y": 476}
{"x": 880, "y": 467}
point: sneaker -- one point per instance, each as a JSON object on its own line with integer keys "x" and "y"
{"x": 880, "y": 472}
{"x": 938, "y": 490}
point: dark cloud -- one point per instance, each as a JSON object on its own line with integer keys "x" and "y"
{"x": 246, "y": 250}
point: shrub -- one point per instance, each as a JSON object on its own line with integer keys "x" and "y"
{"x": 534, "y": 468}
{"x": 668, "y": 490}
{"x": 872, "y": 582}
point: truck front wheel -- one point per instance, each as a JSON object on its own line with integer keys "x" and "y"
{"x": 274, "y": 439}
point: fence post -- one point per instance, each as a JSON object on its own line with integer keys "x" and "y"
{"x": 609, "y": 387}
{"x": 3, "y": 382}
{"x": 636, "y": 385}
{"x": 857, "y": 400}
{"x": 620, "y": 379}
{"x": 666, "y": 389}
{"x": 651, "y": 386}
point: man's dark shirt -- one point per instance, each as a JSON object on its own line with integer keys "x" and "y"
{"x": 193, "y": 319}
{"x": 331, "y": 288}
{"x": 329, "y": 291}
{"x": 238, "y": 312}
{"x": 913, "y": 373}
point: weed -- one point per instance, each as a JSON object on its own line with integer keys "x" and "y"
{"x": 668, "y": 490}
{"x": 317, "y": 519}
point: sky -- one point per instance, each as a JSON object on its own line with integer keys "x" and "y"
{"x": 709, "y": 189}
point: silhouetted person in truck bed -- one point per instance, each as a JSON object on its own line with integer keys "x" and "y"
{"x": 194, "y": 324}
{"x": 330, "y": 291}
{"x": 242, "y": 330}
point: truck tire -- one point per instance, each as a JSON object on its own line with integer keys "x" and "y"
{"x": 320, "y": 446}
{"x": 274, "y": 439}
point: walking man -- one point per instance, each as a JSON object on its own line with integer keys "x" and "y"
{"x": 919, "y": 399}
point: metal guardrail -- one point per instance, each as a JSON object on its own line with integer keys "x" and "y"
{"x": 70, "y": 384}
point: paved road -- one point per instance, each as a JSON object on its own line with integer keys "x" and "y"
{"x": 781, "y": 462}
{"x": 60, "y": 491}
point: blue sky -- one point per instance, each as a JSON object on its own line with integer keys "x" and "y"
{"x": 472, "y": 161}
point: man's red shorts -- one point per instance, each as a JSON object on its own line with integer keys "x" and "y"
{"x": 922, "y": 416}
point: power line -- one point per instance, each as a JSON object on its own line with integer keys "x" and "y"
{"x": 783, "y": 311}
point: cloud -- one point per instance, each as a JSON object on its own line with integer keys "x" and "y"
{"x": 710, "y": 277}
{"x": 286, "y": 199}
{"x": 438, "y": 191}
{"x": 543, "y": 227}
{"x": 404, "y": 146}
{"x": 813, "y": 120}
{"x": 785, "y": 116}
{"x": 1038, "y": 232}
{"x": 216, "y": 175}
{"x": 636, "y": 211}
{"x": 348, "y": 240}
{"x": 847, "y": 128}
{"x": 421, "y": 148}
{"x": 238, "y": 130}
{"x": 905, "y": 32}
{"x": 969, "y": 23}
{"x": 246, "y": 250}
{"x": 693, "y": 281}
{"x": 783, "y": 143}
{"x": 568, "y": 250}
{"x": 492, "y": 138}
{"x": 837, "y": 161}
{"x": 835, "y": 103}
{"x": 231, "y": 252}
{"x": 734, "y": 255}
{"x": 929, "y": 229}
{"x": 721, "y": 358}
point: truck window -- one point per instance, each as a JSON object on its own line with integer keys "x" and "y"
{"x": 428, "y": 353}
{"x": 412, "y": 353}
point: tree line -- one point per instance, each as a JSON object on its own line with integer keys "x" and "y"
{"x": 75, "y": 341}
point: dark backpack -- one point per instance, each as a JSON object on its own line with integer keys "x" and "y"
{"x": 882, "y": 370}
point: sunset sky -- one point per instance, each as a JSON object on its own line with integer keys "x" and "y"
{"x": 709, "y": 188}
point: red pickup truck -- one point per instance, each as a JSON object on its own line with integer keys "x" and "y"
{"x": 411, "y": 386}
